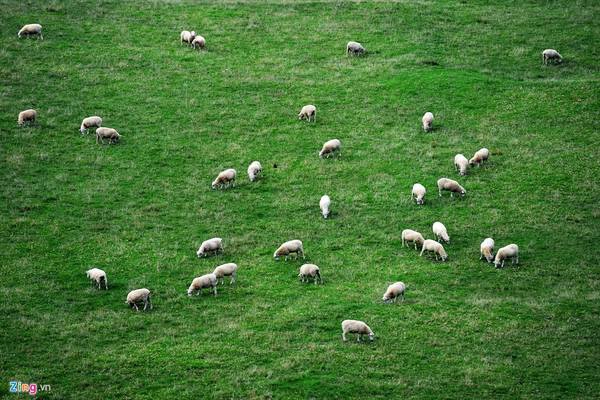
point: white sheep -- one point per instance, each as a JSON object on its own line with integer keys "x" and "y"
{"x": 26, "y": 116}
{"x": 487, "y": 249}
{"x": 292, "y": 246}
{"x": 201, "y": 282}
{"x": 450, "y": 185}
{"x": 254, "y": 169}
{"x": 324, "y": 205}
{"x": 427, "y": 121}
{"x": 308, "y": 112}
{"x": 224, "y": 179}
{"x": 107, "y": 133}
{"x": 358, "y": 327}
{"x": 354, "y": 48}
{"x": 480, "y": 156}
{"x": 308, "y": 271}
{"x": 90, "y": 122}
{"x": 437, "y": 248}
{"x": 408, "y": 235}
{"x": 511, "y": 251}
{"x": 31, "y": 29}
{"x": 97, "y": 276}
{"x": 199, "y": 42}
{"x": 330, "y": 147}
{"x": 461, "y": 164}
{"x": 210, "y": 246}
{"x": 394, "y": 291}
{"x": 138, "y": 296}
{"x": 229, "y": 269}
{"x": 551, "y": 54}
{"x": 187, "y": 36}
{"x": 418, "y": 193}
{"x": 440, "y": 232}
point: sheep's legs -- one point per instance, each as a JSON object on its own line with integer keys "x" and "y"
{"x": 422, "y": 250}
{"x": 136, "y": 307}
{"x": 215, "y": 290}
{"x": 344, "y": 336}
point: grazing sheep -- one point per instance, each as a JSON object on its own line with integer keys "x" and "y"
{"x": 292, "y": 246}
{"x": 224, "y": 179}
{"x": 210, "y": 245}
{"x": 31, "y": 29}
{"x": 324, "y": 204}
{"x": 308, "y": 271}
{"x": 138, "y": 296}
{"x": 229, "y": 269}
{"x": 418, "y": 193}
{"x": 26, "y": 116}
{"x": 330, "y": 147}
{"x": 354, "y": 48}
{"x": 201, "y": 282}
{"x": 89, "y": 122}
{"x": 308, "y": 112}
{"x": 107, "y": 133}
{"x": 511, "y": 251}
{"x": 427, "y": 121}
{"x": 358, "y": 327}
{"x": 450, "y": 185}
{"x": 187, "y": 36}
{"x": 487, "y": 250}
{"x": 461, "y": 164}
{"x": 394, "y": 291}
{"x": 480, "y": 156}
{"x": 551, "y": 54}
{"x": 440, "y": 232}
{"x": 254, "y": 169}
{"x": 437, "y": 248}
{"x": 408, "y": 235}
{"x": 199, "y": 42}
{"x": 97, "y": 276}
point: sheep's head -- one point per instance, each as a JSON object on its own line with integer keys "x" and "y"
{"x": 190, "y": 291}
{"x": 200, "y": 252}
{"x": 463, "y": 192}
{"x": 192, "y": 35}
{"x": 489, "y": 257}
{"x": 371, "y": 336}
{"x": 420, "y": 200}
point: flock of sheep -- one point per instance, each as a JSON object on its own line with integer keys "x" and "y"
{"x": 226, "y": 178}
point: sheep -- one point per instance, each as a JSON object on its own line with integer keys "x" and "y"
{"x": 461, "y": 164}
{"x": 254, "y": 169}
{"x": 511, "y": 251}
{"x": 229, "y": 269}
{"x": 107, "y": 133}
{"x": 137, "y": 296}
{"x": 324, "y": 205}
{"x": 408, "y": 235}
{"x": 308, "y": 271}
{"x": 225, "y": 179}
{"x": 450, "y": 185}
{"x": 187, "y": 36}
{"x": 330, "y": 147}
{"x": 210, "y": 245}
{"x": 89, "y": 122}
{"x": 358, "y": 327}
{"x": 551, "y": 54}
{"x": 97, "y": 276}
{"x": 487, "y": 250}
{"x": 308, "y": 112}
{"x": 355, "y": 48}
{"x": 437, "y": 248}
{"x": 480, "y": 156}
{"x": 201, "y": 282}
{"x": 26, "y": 116}
{"x": 440, "y": 232}
{"x": 199, "y": 42}
{"x": 427, "y": 121}
{"x": 31, "y": 29}
{"x": 292, "y": 246}
{"x": 394, "y": 291}
{"x": 418, "y": 193}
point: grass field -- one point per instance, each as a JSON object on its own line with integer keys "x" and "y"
{"x": 140, "y": 209}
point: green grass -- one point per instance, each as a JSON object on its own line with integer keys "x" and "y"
{"x": 140, "y": 209}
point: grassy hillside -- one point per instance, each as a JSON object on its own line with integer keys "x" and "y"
{"x": 140, "y": 209}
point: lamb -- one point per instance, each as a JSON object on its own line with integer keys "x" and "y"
{"x": 358, "y": 327}
{"x": 354, "y": 48}
{"x": 31, "y": 29}
{"x": 308, "y": 271}
{"x": 89, "y": 122}
{"x": 27, "y": 116}
{"x": 418, "y": 193}
{"x": 450, "y": 185}
{"x": 201, "y": 282}
{"x": 137, "y": 296}
{"x": 199, "y": 42}
{"x": 461, "y": 164}
{"x": 551, "y": 54}
{"x": 254, "y": 169}
{"x": 324, "y": 204}
{"x": 330, "y": 147}
{"x": 487, "y": 250}
{"x": 408, "y": 235}
{"x": 229, "y": 269}
{"x": 427, "y": 121}
{"x": 440, "y": 232}
{"x": 107, "y": 133}
{"x": 210, "y": 245}
{"x": 394, "y": 291}
{"x": 437, "y": 248}
{"x": 97, "y": 276}
{"x": 308, "y": 112}
{"x": 480, "y": 156}
{"x": 292, "y": 246}
{"x": 187, "y": 36}
{"x": 511, "y": 251}
{"x": 224, "y": 179}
